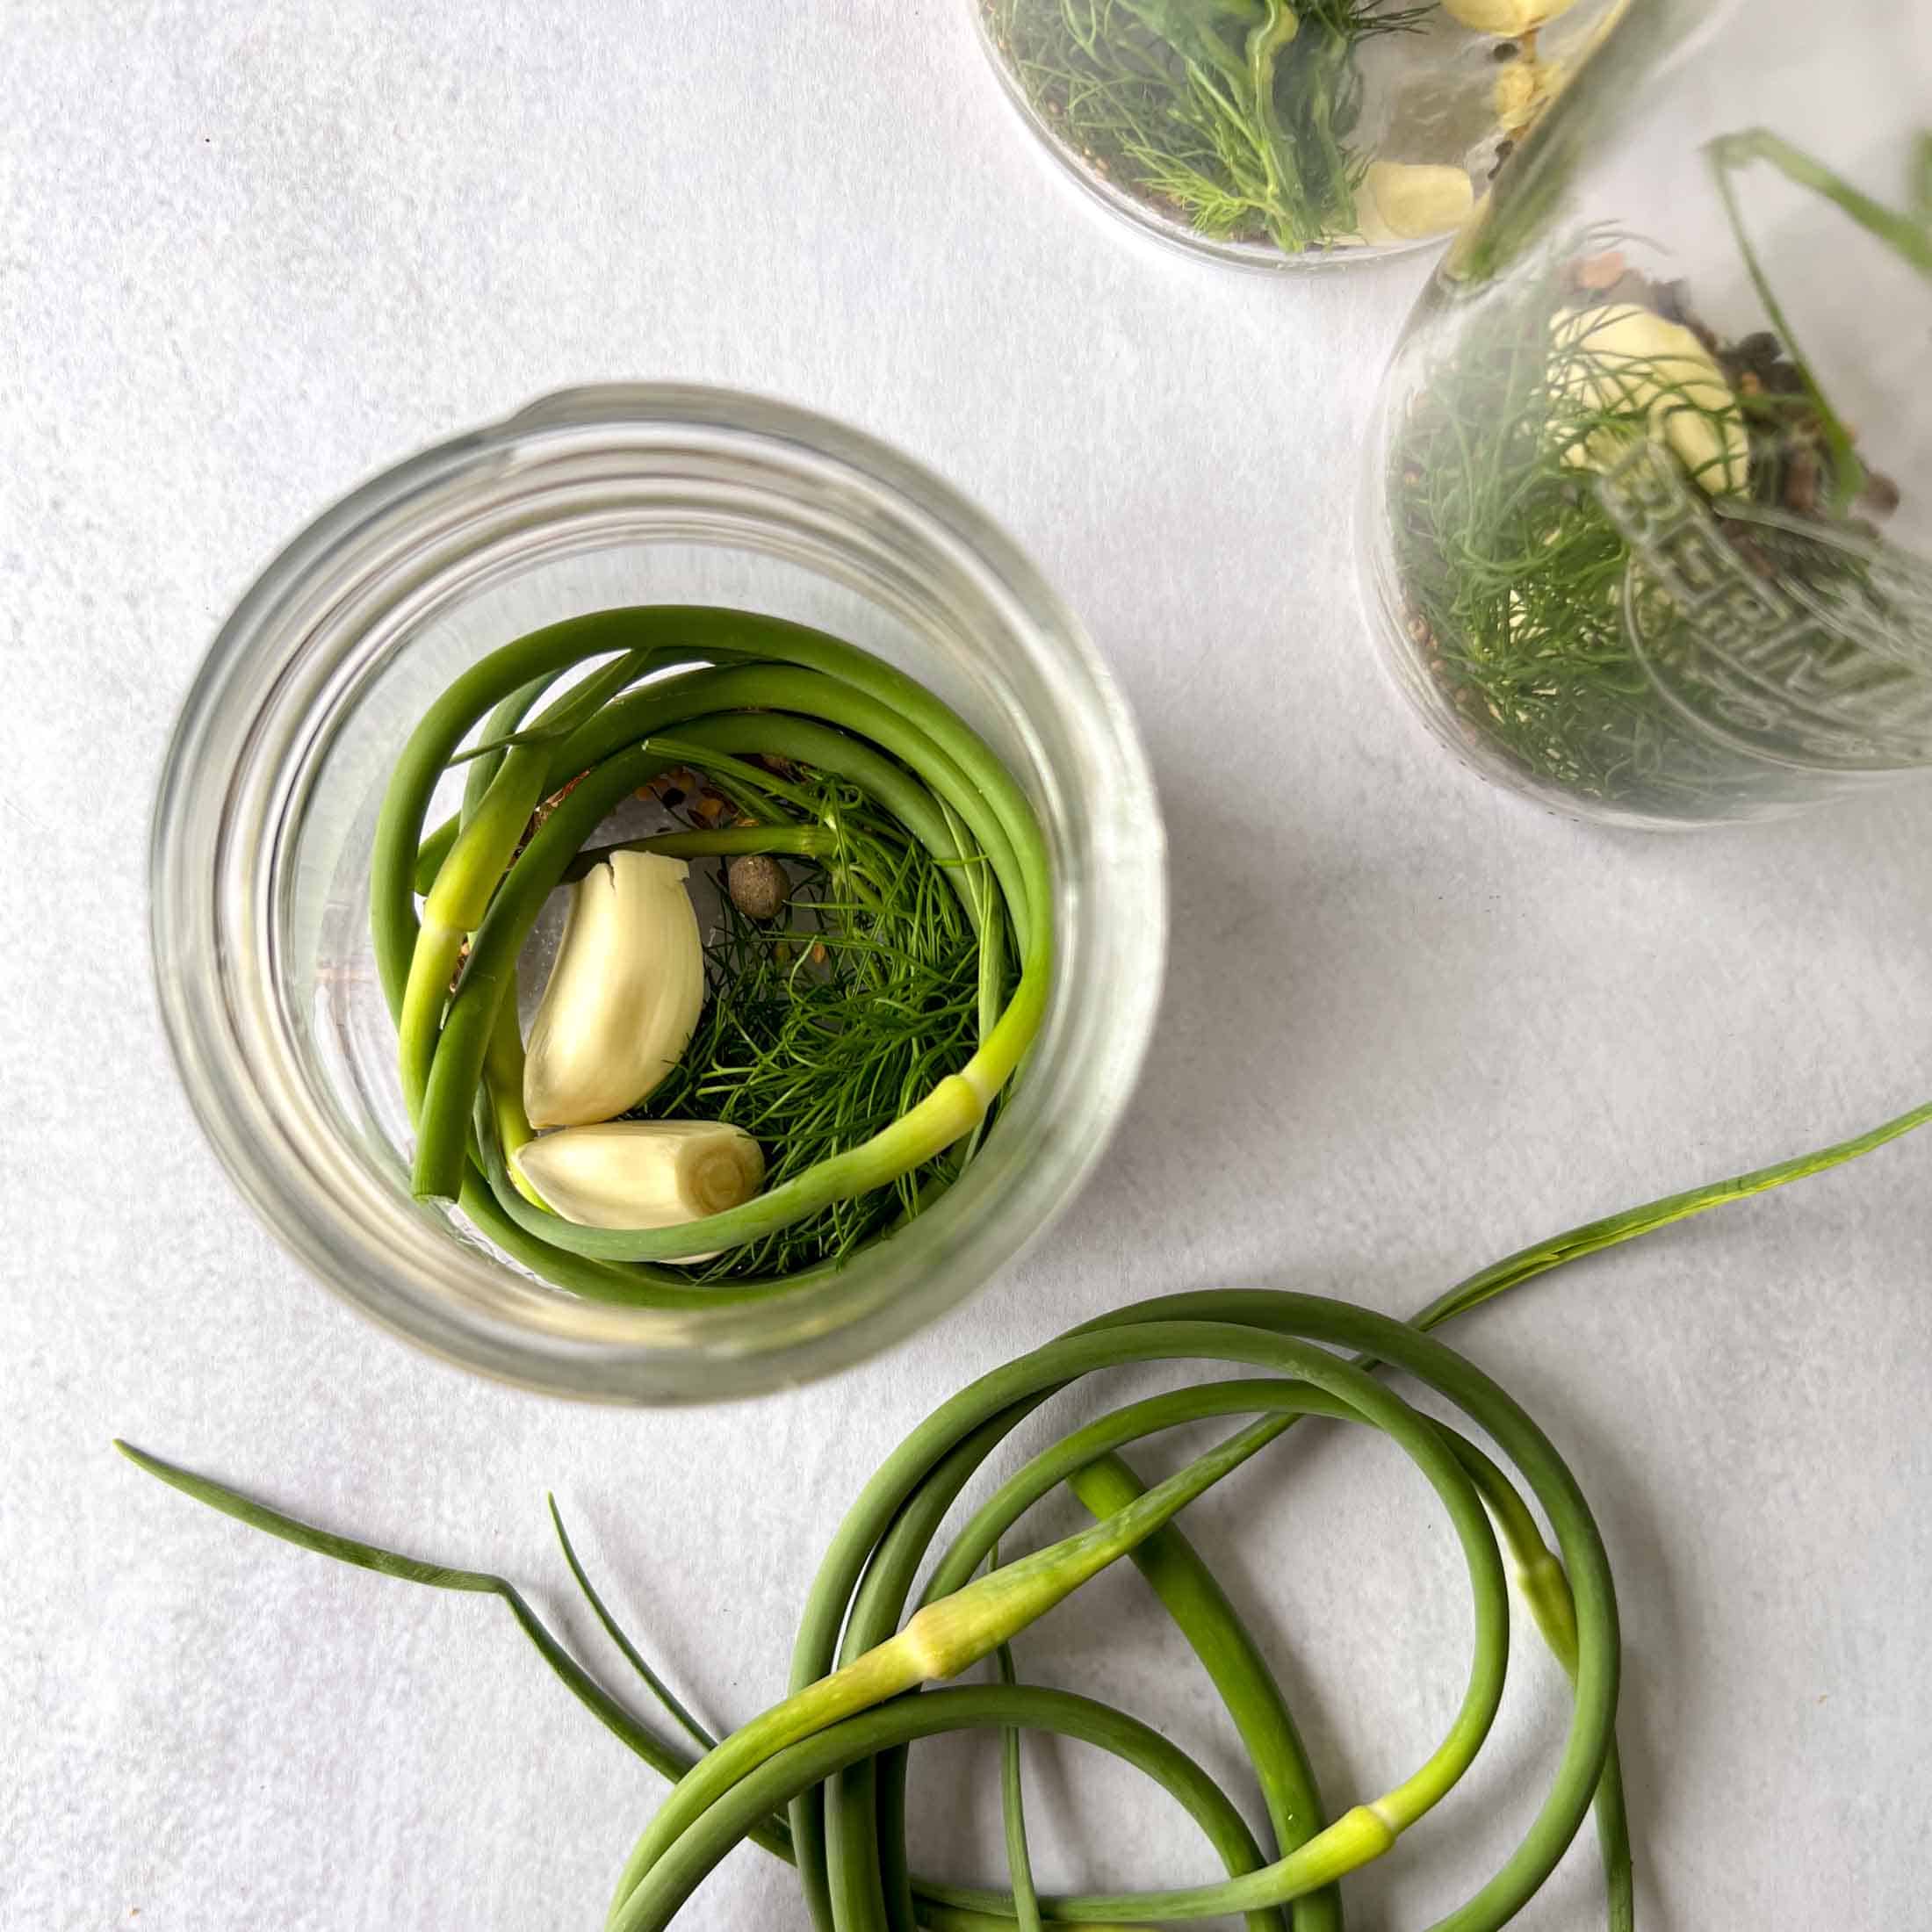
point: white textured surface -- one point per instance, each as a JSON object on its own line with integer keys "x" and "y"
{"x": 248, "y": 255}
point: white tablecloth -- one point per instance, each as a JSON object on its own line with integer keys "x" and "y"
{"x": 249, "y": 255}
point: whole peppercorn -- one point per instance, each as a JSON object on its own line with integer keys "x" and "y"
{"x": 758, "y": 885}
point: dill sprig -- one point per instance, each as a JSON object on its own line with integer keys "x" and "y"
{"x": 821, "y": 1028}
{"x": 1232, "y": 115}
{"x": 863, "y": 1639}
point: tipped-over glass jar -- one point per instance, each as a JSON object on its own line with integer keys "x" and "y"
{"x": 265, "y": 831}
{"x": 1647, "y": 519}
{"x": 1285, "y": 133}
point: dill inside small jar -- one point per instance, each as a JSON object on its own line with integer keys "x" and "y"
{"x": 1277, "y": 133}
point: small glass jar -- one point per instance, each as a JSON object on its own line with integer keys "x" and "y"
{"x": 590, "y": 499}
{"x": 1648, "y": 526}
{"x": 1285, "y": 134}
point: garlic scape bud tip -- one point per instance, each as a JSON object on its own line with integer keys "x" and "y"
{"x": 623, "y": 998}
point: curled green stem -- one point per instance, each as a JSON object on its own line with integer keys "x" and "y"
{"x": 767, "y": 684}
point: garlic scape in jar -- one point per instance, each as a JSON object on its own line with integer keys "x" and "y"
{"x": 857, "y": 1029}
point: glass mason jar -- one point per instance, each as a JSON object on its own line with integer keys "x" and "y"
{"x": 1648, "y": 512}
{"x": 265, "y": 823}
{"x": 1285, "y": 134}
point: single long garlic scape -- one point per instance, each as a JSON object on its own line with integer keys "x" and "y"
{"x": 643, "y": 1174}
{"x": 624, "y": 994}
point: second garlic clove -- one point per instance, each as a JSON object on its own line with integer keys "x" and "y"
{"x": 1510, "y": 18}
{"x": 643, "y": 1174}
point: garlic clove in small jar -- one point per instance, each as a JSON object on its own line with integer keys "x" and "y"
{"x": 1411, "y": 200}
{"x": 623, "y": 998}
{"x": 1626, "y": 361}
{"x": 1522, "y": 89}
{"x": 1510, "y": 18}
{"x": 643, "y": 1174}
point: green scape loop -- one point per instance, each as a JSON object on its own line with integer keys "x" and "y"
{"x": 843, "y": 1771}
{"x": 727, "y": 683}
{"x": 700, "y": 1820}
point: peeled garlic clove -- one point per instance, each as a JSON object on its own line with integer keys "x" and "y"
{"x": 624, "y": 997}
{"x": 1510, "y": 18}
{"x": 1409, "y": 200}
{"x": 643, "y": 1174}
{"x": 1625, "y": 360}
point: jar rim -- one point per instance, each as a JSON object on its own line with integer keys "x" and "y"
{"x": 369, "y": 565}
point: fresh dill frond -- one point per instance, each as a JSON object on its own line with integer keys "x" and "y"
{"x": 821, "y": 1027}
{"x": 1232, "y": 116}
